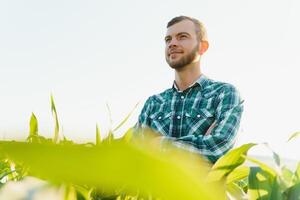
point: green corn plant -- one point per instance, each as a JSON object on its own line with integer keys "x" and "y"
{"x": 98, "y": 135}
{"x": 293, "y": 136}
{"x": 133, "y": 166}
{"x": 54, "y": 113}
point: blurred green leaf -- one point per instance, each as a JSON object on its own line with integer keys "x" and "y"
{"x": 135, "y": 166}
{"x": 297, "y": 173}
{"x": 235, "y": 192}
{"x": 227, "y": 163}
{"x": 54, "y": 113}
{"x": 98, "y": 135}
{"x": 84, "y": 191}
{"x": 263, "y": 185}
{"x": 33, "y": 125}
{"x": 237, "y": 174}
{"x": 126, "y": 118}
{"x": 128, "y": 135}
{"x": 288, "y": 176}
{"x": 262, "y": 165}
{"x": 275, "y": 156}
{"x": 70, "y": 193}
{"x": 293, "y": 193}
{"x": 109, "y": 116}
{"x": 109, "y": 138}
{"x": 293, "y": 136}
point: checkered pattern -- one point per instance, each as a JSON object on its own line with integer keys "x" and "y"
{"x": 206, "y": 115}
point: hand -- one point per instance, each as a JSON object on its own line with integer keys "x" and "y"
{"x": 212, "y": 126}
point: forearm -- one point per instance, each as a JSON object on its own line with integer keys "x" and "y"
{"x": 221, "y": 136}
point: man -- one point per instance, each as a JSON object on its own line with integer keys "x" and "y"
{"x": 196, "y": 110}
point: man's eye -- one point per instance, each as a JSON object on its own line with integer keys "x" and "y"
{"x": 167, "y": 40}
{"x": 183, "y": 36}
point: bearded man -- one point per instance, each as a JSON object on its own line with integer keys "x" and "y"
{"x": 197, "y": 110}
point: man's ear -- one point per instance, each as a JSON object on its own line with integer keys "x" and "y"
{"x": 203, "y": 47}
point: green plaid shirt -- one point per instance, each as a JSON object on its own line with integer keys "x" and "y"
{"x": 206, "y": 115}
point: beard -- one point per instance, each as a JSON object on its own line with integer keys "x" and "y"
{"x": 185, "y": 60}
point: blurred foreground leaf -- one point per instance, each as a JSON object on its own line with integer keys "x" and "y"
{"x": 33, "y": 125}
{"x": 263, "y": 185}
{"x": 227, "y": 163}
{"x": 293, "y": 136}
{"x": 125, "y": 119}
{"x": 54, "y": 113}
{"x": 98, "y": 135}
{"x": 237, "y": 174}
{"x": 173, "y": 174}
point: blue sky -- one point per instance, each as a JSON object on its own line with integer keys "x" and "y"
{"x": 89, "y": 53}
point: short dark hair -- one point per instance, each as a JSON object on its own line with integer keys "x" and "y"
{"x": 199, "y": 27}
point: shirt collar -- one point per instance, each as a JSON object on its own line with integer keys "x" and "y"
{"x": 201, "y": 81}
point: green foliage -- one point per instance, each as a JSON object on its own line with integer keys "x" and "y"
{"x": 54, "y": 113}
{"x": 98, "y": 135}
{"x": 294, "y": 135}
{"x": 226, "y": 164}
{"x": 131, "y": 168}
{"x": 33, "y": 124}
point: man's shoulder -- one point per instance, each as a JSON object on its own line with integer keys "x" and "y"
{"x": 218, "y": 87}
{"x": 161, "y": 97}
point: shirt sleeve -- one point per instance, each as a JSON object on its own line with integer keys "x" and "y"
{"x": 227, "y": 120}
{"x": 143, "y": 119}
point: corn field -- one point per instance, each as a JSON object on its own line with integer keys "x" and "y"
{"x": 131, "y": 168}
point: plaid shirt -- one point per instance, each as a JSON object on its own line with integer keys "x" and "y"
{"x": 206, "y": 115}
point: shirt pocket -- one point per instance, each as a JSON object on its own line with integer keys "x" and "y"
{"x": 199, "y": 121}
{"x": 161, "y": 121}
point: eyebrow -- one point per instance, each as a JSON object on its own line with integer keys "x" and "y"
{"x": 180, "y": 33}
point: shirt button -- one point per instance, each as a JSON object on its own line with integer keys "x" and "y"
{"x": 198, "y": 116}
{"x": 182, "y": 97}
{"x": 159, "y": 117}
{"x": 178, "y": 117}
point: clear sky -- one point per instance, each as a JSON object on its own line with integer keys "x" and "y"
{"x": 89, "y": 53}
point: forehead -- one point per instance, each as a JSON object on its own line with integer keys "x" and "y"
{"x": 183, "y": 26}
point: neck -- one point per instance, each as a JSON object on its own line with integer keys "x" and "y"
{"x": 186, "y": 76}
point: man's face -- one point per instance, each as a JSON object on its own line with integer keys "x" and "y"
{"x": 182, "y": 45}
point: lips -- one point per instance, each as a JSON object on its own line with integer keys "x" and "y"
{"x": 174, "y": 52}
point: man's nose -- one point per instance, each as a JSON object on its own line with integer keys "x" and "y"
{"x": 173, "y": 42}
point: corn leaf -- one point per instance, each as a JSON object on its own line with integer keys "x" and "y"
{"x": 98, "y": 135}
{"x": 170, "y": 175}
{"x": 109, "y": 115}
{"x": 125, "y": 119}
{"x": 238, "y": 174}
{"x": 84, "y": 191}
{"x": 297, "y": 173}
{"x": 235, "y": 192}
{"x": 33, "y": 126}
{"x": 128, "y": 135}
{"x": 293, "y": 193}
{"x": 109, "y": 138}
{"x": 288, "y": 176}
{"x": 275, "y": 156}
{"x": 262, "y": 165}
{"x": 226, "y": 164}
{"x": 263, "y": 185}
{"x": 293, "y": 136}
{"x": 54, "y": 113}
